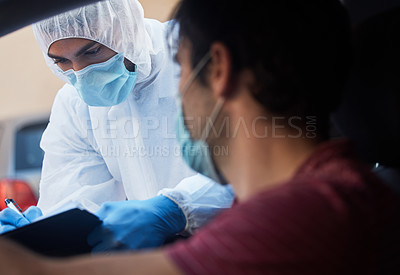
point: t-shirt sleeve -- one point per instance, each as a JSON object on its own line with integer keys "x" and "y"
{"x": 289, "y": 230}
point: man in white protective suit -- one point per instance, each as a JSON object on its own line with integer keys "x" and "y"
{"x": 111, "y": 135}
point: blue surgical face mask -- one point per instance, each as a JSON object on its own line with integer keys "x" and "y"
{"x": 196, "y": 153}
{"x": 103, "y": 84}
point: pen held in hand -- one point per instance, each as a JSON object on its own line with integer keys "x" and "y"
{"x": 10, "y": 203}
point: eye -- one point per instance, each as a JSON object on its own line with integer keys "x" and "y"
{"x": 176, "y": 59}
{"x": 60, "y": 60}
{"x": 93, "y": 51}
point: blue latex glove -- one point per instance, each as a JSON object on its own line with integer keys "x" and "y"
{"x": 9, "y": 219}
{"x": 136, "y": 224}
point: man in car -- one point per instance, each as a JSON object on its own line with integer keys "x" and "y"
{"x": 304, "y": 203}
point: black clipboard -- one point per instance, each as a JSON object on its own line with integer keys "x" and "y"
{"x": 61, "y": 235}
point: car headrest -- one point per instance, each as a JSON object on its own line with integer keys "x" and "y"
{"x": 370, "y": 110}
{"x": 360, "y": 10}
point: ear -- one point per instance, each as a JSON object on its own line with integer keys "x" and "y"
{"x": 220, "y": 71}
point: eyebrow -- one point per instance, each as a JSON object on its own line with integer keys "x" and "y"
{"x": 85, "y": 48}
{"x": 78, "y": 53}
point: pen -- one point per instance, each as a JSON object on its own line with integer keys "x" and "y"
{"x": 10, "y": 203}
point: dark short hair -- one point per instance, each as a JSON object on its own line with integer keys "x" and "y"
{"x": 298, "y": 50}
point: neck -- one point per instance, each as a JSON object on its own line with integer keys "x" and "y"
{"x": 261, "y": 157}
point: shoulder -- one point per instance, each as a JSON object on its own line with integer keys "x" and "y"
{"x": 274, "y": 230}
{"x": 68, "y": 96}
{"x": 68, "y": 105}
{"x": 303, "y": 202}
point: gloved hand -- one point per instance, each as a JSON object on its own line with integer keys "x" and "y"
{"x": 9, "y": 219}
{"x": 136, "y": 224}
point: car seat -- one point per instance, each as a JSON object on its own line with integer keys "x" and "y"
{"x": 370, "y": 112}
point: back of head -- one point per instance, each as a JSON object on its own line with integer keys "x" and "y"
{"x": 298, "y": 50}
{"x": 117, "y": 24}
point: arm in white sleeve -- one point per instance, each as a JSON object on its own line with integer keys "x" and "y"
{"x": 72, "y": 170}
{"x": 200, "y": 199}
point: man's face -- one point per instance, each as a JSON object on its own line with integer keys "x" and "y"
{"x": 78, "y": 53}
{"x": 196, "y": 100}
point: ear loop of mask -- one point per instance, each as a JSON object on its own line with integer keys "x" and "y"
{"x": 195, "y": 73}
{"x": 210, "y": 122}
{"x": 219, "y": 104}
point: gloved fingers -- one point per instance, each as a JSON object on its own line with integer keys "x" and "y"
{"x": 7, "y": 216}
{"x": 6, "y": 228}
{"x": 104, "y": 210}
{"x": 102, "y": 239}
{"x": 32, "y": 213}
{"x": 136, "y": 224}
{"x": 99, "y": 248}
{"x": 115, "y": 209}
{"x": 144, "y": 242}
{"x": 107, "y": 246}
{"x": 10, "y": 217}
{"x": 101, "y": 235}
{"x": 95, "y": 237}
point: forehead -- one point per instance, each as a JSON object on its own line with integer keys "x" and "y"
{"x": 68, "y": 45}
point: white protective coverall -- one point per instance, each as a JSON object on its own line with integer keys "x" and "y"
{"x": 127, "y": 151}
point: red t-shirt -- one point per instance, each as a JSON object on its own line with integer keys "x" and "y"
{"x": 326, "y": 220}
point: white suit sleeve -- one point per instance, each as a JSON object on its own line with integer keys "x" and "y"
{"x": 200, "y": 199}
{"x": 72, "y": 170}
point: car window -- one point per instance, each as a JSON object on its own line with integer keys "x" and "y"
{"x": 28, "y": 154}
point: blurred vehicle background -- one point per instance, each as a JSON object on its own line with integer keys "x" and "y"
{"x": 20, "y": 154}
{"x": 27, "y": 91}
